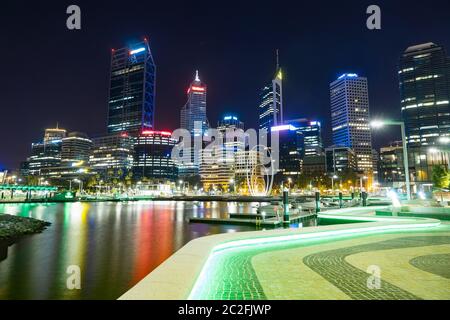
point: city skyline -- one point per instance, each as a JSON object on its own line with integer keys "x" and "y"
{"x": 300, "y": 101}
{"x": 183, "y": 151}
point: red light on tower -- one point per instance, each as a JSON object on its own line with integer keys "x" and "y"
{"x": 198, "y": 89}
{"x": 153, "y": 132}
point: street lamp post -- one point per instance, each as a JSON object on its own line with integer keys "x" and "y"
{"x": 361, "y": 182}
{"x": 332, "y": 182}
{"x": 231, "y": 185}
{"x": 379, "y": 124}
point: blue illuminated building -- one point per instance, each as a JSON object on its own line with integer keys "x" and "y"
{"x": 289, "y": 165}
{"x": 132, "y": 89}
{"x": 310, "y": 134}
{"x": 350, "y": 117}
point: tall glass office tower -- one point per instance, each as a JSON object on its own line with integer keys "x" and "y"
{"x": 350, "y": 117}
{"x": 131, "y": 105}
{"x": 310, "y": 136}
{"x": 424, "y": 77}
{"x": 271, "y": 105}
{"x": 195, "y": 108}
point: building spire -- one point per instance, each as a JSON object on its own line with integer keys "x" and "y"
{"x": 197, "y": 79}
{"x": 278, "y": 59}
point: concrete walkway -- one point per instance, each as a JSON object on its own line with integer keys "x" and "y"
{"x": 328, "y": 262}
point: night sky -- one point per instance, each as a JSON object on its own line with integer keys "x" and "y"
{"x": 50, "y": 74}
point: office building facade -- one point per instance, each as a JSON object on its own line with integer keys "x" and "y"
{"x": 424, "y": 81}
{"x": 271, "y": 102}
{"x": 131, "y": 106}
{"x": 152, "y": 156}
{"x": 289, "y": 162}
{"x": 310, "y": 133}
{"x": 350, "y": 117}
{"x": 114, "y": 151}
{"x": 194, "y": 111}
{"x": 340, "y": 159}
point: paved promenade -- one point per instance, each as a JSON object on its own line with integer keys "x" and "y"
{"x": 327, "y": 262}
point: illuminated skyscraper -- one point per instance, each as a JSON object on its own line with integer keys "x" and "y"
{"x": 424, "y": 76}
{"x": 350, "y": 117}
{"x": 271, "y": 105}
{"x": 289, "y": 162}
{"x": 311, "y": 144}
{"x": 234, "y": 128}
{"x": 76, "y": 147}
{"x": 195, "y": 108}
{"x": 152, "y": 156}
{"x": 132, "y": 89}
{"x": 54, "y": 134}
{"x": 46, "y": 153}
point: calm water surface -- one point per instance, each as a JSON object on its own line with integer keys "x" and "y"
{"x": 115, "y": 244}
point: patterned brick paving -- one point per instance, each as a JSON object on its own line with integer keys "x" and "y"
{"x": 438, "y": 264}
{"x": 332, "y": 266}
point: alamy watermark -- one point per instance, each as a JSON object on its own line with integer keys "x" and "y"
{"x": 73, "y": 21}
{"x": 73, "y": 281}
{"x": 374, "y": 20}
{"x": 374, "y": 280}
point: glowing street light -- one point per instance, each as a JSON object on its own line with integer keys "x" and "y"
{"x": 361, "y": 182}
{"x": 231, "y": 181}
{"x": 433, "y": 150}
{"x": 289, "y": 183}
{"x": 80, "y": 184}
{"x": 376, "y": 124}
{"x": 444, "y": 140}
{"x": 332, "y": 181}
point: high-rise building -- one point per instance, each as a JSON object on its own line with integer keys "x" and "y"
{"x": 350, "y": 117}
{"x": 114, "y": 151}
{"x": 234, "y": 128}
{"x": 424, "y": 76}
{"x": 424, "y": 81}
{"x": 289, "y": 163}
{"x": 392, "y": 173}
{"x": 340, "y": 159}
{"x": 46, "y": 153}
{"x": 246, "y": 162}
{"x": 76, "y": 148}
{"x": 229, "y": 122}
{"x": 54, "y": 134}
{"x": 311, "y": 143}
{"x": 195, "y": 108}
{"x": 132, "y": 89}
{"x": 152, "y": 156}
{"x": 43, "y": 155}
{"x": 216, "y": 169}
{"x": 271, "y": 101}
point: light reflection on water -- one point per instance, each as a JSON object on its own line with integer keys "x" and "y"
{"x": 115, "y": 244}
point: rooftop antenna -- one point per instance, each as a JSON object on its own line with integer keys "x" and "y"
{"x": 196, "y": 76}
{"x": 278, "y": 59}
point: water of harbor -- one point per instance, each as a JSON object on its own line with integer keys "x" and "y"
{"x": 115, "y": 244}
